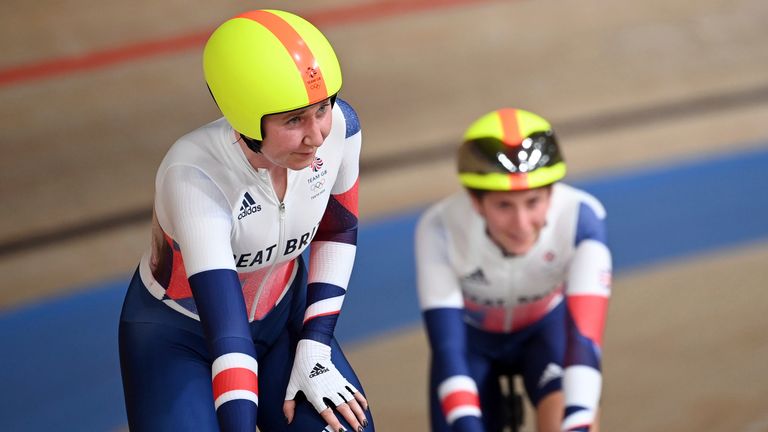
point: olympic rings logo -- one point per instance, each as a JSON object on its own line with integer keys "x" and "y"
{"x": 318, "y": 185}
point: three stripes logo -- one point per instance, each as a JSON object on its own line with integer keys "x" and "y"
{"x": 477, "y": 277}
{"x": 317, "y": 370}
{"x": 553, "y": 371}
{"x": 248, "y": 206}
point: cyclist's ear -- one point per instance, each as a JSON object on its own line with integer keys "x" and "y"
{"x": 476, "y": 197}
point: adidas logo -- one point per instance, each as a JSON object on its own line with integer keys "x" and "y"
{"x": 477, "y": 276}
{"x": 552, "y": 371}
{"x": 248, "y": 206}
{"x": 317, "y": 370}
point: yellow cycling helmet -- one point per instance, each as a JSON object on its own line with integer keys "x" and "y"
{"x": 509, "y": 149}
{"x": 265, "y": 62}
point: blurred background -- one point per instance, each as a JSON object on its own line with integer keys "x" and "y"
{"x": 661, "y": 107}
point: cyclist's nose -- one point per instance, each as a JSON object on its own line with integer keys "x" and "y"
{"x": 313, "y": 134}
{"x": 519, "y": 219}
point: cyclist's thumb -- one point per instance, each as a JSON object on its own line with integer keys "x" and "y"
{"x": 289, "y": 409}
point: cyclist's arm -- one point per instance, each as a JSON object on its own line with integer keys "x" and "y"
{"x": 334, "y": 246}
{"x": 331, "y": 259}
{"x": 587, "y": 296}
{"x": 194, "y": 213}
{"x": 442, "y": 308}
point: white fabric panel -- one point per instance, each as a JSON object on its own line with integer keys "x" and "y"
{"x": 436, "y": 281}
{"x": 234, "y": 360}
{"x": 458, "y": 383}
{"x": 582, "y": 386}
{"x": 194, "y": 211}
{"x": 454, "y": 384}
{"x": 331, "y": 262}
{"x": 462, "y": 411}
{"x": 324, "y": 306}
{"x": 236, "y": 394}
{"x": 590, "y": 269}
{"x": 579, "y": 418}
{"x": 350, "y": 165}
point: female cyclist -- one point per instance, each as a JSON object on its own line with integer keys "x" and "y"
{"x": 513, "y": 278}
{"x": 222, "y": 327}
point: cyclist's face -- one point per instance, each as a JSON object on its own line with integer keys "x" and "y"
{"x": 515, "y": 218}
{"x": 291, "y": 139}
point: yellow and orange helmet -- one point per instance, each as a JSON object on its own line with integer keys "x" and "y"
{"x": 265, "y": 62}
{"x": 509, "y": 149}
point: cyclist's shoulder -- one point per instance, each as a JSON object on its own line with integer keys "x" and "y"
{"x": 202, "y": 146}
{"x": 450, "y": 216}
{"x": 351, "y": 119}
{"x": 569, "y": 198}
{"x": 579, "y": 213}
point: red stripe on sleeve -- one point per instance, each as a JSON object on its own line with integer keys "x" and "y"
{"x": 460, "y": 398}
{"x": 589, "y": 313}
{"x": 235, "y": 379}
{"x": 336, "y": 312}
{"x": 348, "y": 199}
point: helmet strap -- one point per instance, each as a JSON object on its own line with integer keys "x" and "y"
{"x": 253, "y": 144}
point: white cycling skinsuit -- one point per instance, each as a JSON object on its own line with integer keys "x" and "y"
{"x": 222, "y": 319}
{"x": 542, "y": 313}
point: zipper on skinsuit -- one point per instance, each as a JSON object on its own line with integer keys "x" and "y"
{"x": 280, "y": 241}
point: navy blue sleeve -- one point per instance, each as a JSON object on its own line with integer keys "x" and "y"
{"x": 224, "y": 318}
{"x": 589, "y": 226}
{"x": 447, "y": 338}
{"x": 350, "y": 116}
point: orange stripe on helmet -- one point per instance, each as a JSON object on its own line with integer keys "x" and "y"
{"x": 518, "y": 181}
{"x": 509, "y": 127}
{"x": 297, "y": 48}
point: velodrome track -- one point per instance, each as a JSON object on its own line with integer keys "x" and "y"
{"x": 662, "y": 108}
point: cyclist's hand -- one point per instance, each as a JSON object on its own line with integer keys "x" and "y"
{"x": 324, "y": 387}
